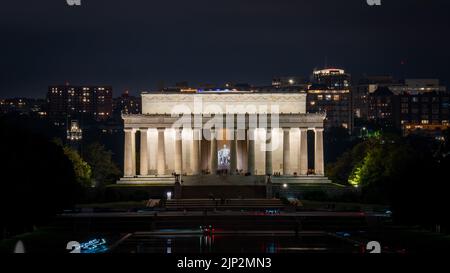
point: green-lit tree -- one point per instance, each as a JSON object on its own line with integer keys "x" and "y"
{"x": 104, "y": 170}
{"x": 406, "y": 173}
{"x": 81, "y": 168}
{"x": 340, "y": 171}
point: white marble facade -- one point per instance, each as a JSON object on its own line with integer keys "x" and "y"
{"x": 214, "y": 121}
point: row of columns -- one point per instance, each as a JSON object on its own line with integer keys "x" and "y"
{"x": 130, "y": 152}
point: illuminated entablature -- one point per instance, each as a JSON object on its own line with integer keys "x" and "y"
{"x": 233, "y": 102}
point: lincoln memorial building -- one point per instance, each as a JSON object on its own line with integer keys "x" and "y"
{"x": 223, "y": 137}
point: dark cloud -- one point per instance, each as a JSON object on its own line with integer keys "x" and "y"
{"x": 133, "y": 44}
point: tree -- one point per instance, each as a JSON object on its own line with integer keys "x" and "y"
{"x": 38, "y": 180}
{"x": 340, "y": 171}
{"x": 406, "y": 173}
{"x": 104, "y": 171}
{"x": 81, "y": 168}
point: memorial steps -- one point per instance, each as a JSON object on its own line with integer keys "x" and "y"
{"x": 199, "y": 192}
{"x": 222, "y": 180}
{"x": 224, "y": 186}
{"x": 224, "y": 204}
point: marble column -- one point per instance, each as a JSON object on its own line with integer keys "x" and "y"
{"x": 318, "y": 153}
{"x": 269, "y": 170}
{"x": 303, "y": 151}
{"x": 143, "y": 170}
{"x": 178, "y": 151}
{"x": 195, "y": 153}
{"x": 251, "y": 151}
{"x": 213, "y": 156}
{"x": 286, "y": 151}
{"x": 130, "y": 153}
{"x": 233, "y": 151}
{"x": 241, "y": 149}
{"x": 161, "y": 155}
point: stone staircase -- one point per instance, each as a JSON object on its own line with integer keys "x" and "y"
{"x": 217, "y": 180}
{"x": 302, "y": 179}
{"x": 151, "y": 180}
{"x": 226, "y": 204}
{"x": 228, "y": 192}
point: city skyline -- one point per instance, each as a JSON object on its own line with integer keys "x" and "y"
{"x": 135, "y": 46}
{"x": 272, "y": 83}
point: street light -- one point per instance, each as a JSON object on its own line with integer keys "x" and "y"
{"x": 363, "y": 129}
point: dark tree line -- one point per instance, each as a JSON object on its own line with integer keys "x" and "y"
{"x": 408, "y": 173}
{"x": 37, "y": 179}
{"x": 41, "y": 177}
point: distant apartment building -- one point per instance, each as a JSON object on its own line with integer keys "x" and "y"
{"x": 332, "y": 78}
{"x": 381, "y": 107}
{"x": 330, "y": 92}
{"x": 74, "y": 101}
{"x": 428, "y": 111}
{"x": 416, "y": 106}
{"x": 126, "y": 104}
{"x": 365, "y": 86}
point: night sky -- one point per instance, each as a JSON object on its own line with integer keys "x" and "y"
{"x": 134, "y": 44}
